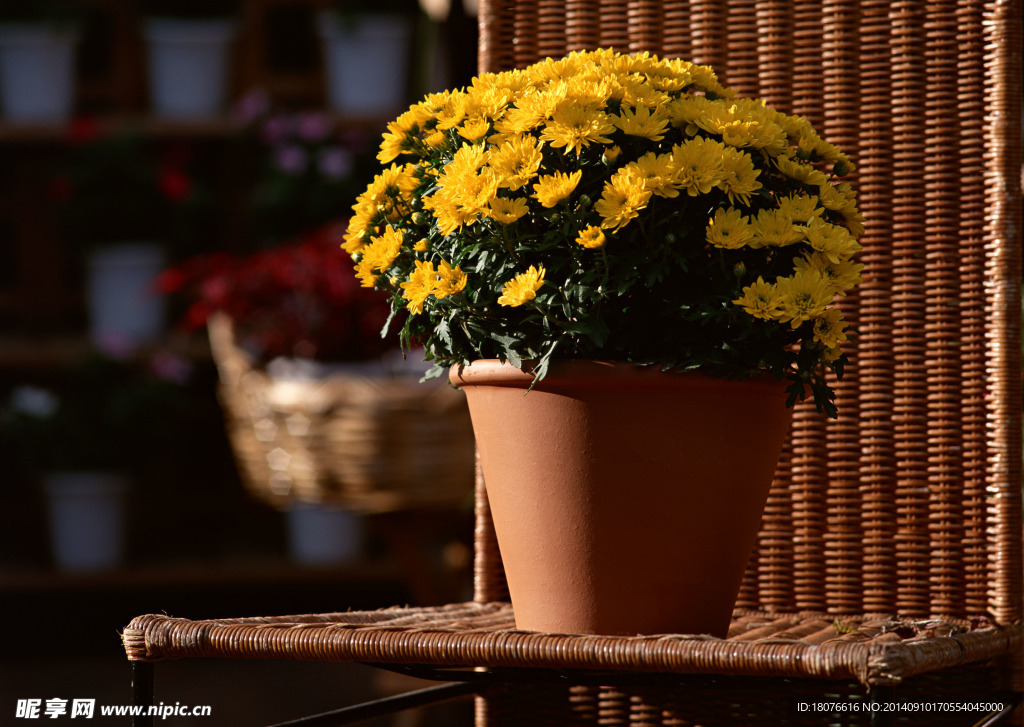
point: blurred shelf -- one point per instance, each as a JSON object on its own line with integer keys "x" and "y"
{"x": 22, "y": 352}
{"x": 56, "y": 351}
{"x": 221, "y": 576}
{"x": 49, "y": 133}
{"x": 85, "y": 612}
{"x": 223, "y": 127}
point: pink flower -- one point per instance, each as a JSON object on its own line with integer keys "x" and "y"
{"x": 334, "y": 162}
{"x": 275, "y": 129}
{"x": 313, "y": 126}
{"x": 291, "y": 159}
{"x": 252, "y": 106}
{"x": 169, "y": 367}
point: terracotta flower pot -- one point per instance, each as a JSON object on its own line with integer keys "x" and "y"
{"x": 625, "y": 500}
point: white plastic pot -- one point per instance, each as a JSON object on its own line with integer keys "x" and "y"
{"x": 189, "y": 62}
{"x": 124, "y": 307}
{"x": 37, "y": 72}
{"x": 321, "y": 535}
{"x": 366, "y": 62}
{"x": 86, "y": 512}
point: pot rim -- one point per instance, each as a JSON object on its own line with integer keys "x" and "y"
{"x": 594, "y": 373}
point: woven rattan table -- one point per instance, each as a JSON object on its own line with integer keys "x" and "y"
{"x": 874, "y": 652}
{"x": 890, "y": 551}
{"x": 453, "y": 642}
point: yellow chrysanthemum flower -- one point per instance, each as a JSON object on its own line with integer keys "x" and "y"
{"x": 802, "y": 296}
{"x": 530, "y": 112}
{"x": 449, "y": 280}
{"x": 474, "y": 129}
{"x": 386, "y": 198}
{"x": 378, "y": 256}
{"x": 359, "y": 224}
{"x": 800, "y": 208}
{"x": 834, "y": 242}
{"x": 391, "y": 147}
{"x": 551, "y": 189}
{"x": 800, "y": 171}
{"x": 487, "y": 102}
{"x": 761, "y": 300}
{"x": 591, "y": 237}
{"x": 772, "y": 228}
{"x": 658, "y": 172}
{"x": 818, "y": 149}
{"x": 421, "y": 285}
{"x": 841, "y": 276}
{"x": 698, "y": 165}
{"x": 669, "y": 81}
{"x": 450, "y": 109}
{"x": 401, "y": 132}
{"x": 642, "y": 122}
{"x": 843, "y": 199}
{"x": 611, "y": 154}
{"x": 829, "y": 329}
{"x": 523, "y": 287}
{"x": 435, "y": 139}
{"x": 744, "y": 123}
{"x": 516, "y": 161}
{"x": 507, "y": 211}
{"x": 739, "y": 177}
{"x": 582, "y": 91}
{"x": 729, "y": 229}
{"x": 705, "y": 78}
{"x": 574, "y": 127}
{"x": 684, "y": 112}
{"x": 622, "y": 198}
{"x": 465, "y": 190}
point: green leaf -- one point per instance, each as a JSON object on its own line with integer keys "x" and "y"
{"x": 594, "y": 329}
{"x": 444, "y": 332}
{"x": 508, "y": 344}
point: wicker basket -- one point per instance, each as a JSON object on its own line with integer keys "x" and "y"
{"x": 372, "y": 444}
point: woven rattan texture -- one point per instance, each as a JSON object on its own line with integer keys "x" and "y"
{"x": 910, "y": 502}
{"x": 369, "y": 443}
{"x": 870, "y": 651}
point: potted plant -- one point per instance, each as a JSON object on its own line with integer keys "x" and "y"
{"x": 326, "y": 418}
{"x": 82, "y": 440}
{"x": 366, "y": 54}
{"x": 189, "y": 54}
{"x": 37, "y": 59}
{"x": 127, "y": 206}
{"x": 631, "y": 246}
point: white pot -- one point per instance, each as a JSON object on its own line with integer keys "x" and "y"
{"x": 86, "y": 519}
{"x": 323, "y": 535}
{"x": 188, "y": 65}
{"x": 366, "y": 62}
{"x": 124, "y": 307}
{"x": 37, "y": 72}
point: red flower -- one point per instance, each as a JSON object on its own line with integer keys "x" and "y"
{"x": 297, "y": 299}
{"x": 83, "y": 129}
{"x": 175, "y": 184}
{"x": 171, "y": 280}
